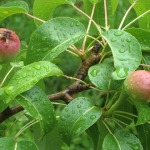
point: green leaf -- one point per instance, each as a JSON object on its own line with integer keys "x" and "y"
{"x": 36, "y": 102}
{"x": 144, "y": 134}
{"x": 103, "y": 132}
{"x": 11, "y": 8}
{"x": 114, "y": 5}
{"x": 110, "y": 143}
{"x": 146, "y": 60}
{"x": 26, "y": 145}
{"x": 143, "y": 36}
{"x": 51, "y": 140}
{"x": 25, "y": 79}
{"x": 143, "y": 110}
{"x": 93, "y": 134}
{"x": 54, "y": 37}
{"x": 100, "y": 75}
{"x": 76, "y": 117}
{"x": 9, "y": 143}
{"x": 126, "y": 51}
{"x": 121, "y": 140}
{"x": 141, "y": 7}
{"x": 43, "y": 9}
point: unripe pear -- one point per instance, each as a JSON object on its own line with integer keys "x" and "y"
{"x": 9, "y": 45}
{"x": 137, "y": 85}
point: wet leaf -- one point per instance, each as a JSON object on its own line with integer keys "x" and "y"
{"x": 53, "y": 37}
{"x": 76, "y": 117}
{"x": 36, "y": 102}
{"x": 126, "y": 51}
{"x": 121, "y": 140}
{"x": 25, "y": 79}
{"x": 12, "y": 8}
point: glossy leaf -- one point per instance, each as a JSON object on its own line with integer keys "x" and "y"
{"x": 76, "y": 117}
{"x": 141, "y": 7}
{"x": 26, "y": 145}
{"x": 143, "y": 36}
{"x": 100, "y": 75}
{"x": 143, "y": 110}
{"x": 36, "y": 102}
{"x": 126, "y": 51}
{"x": 110, "y": 142}
{"x": 11, "y": 8}
{"x": 43, "y": 9}
{"x": 25, "y": 79}
{"x": 11, "y": 144}
{"x": 121, "y": 140}
{"x": 54, "y": 37}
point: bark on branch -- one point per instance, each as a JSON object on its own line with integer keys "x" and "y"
{"x": 66, "y": 94}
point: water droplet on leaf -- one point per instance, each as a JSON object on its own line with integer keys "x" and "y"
{"x": 118, "y": 33}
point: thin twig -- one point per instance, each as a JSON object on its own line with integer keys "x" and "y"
{"x": 136, "y": 19}
{"x": 96, "y": 40}
{"x": 145, "y": 65}
{"x": 98, "y": 27}
{"x": 124, "y": 17}
{"x": 106, "y": 15}
{"x": 88, "y": 28}
{"x": 72, "y": 53}
{"x": 35, "y": 17}
{"x": 6, "y": 76}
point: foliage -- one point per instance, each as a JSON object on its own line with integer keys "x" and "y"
{"x": 100, "y": 43}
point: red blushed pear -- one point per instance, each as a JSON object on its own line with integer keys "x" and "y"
{"x": 9, "y": 45}
{"x": 137, "y": 85}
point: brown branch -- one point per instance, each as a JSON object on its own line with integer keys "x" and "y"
{"x": 78, "y": 86}
{"x": 66, "y": 94}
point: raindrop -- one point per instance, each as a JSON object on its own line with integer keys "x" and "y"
{"x": 94, "y": 73}
{"x": 38, "y": 67}
{"x": 118, "y": 33}
{"x": 128, "y": 40}
{"x": 73, "y": 111}
{"x": 79, "y": 106}
{"x": 121, "y": 50}
{"x": 24, "y": 75}
{"x": 72, "y": 24}
{"x": 66, "y": 109}
{"x": 55, "y": 28}
{"x": 113, "y": 40}
{"x": 123, "y": 45}
{"x": 92, "y": 117}
{"x": 122, "y": 72}
{"x": 9, "y": 90}
{"x": 122, "y": 40}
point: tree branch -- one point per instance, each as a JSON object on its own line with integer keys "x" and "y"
{"x": 66, "y": 94}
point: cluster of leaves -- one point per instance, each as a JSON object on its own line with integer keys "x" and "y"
{"x": 124, "y": 49}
